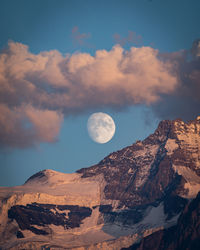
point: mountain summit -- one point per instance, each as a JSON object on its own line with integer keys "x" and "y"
{"x": 127, "y": 196}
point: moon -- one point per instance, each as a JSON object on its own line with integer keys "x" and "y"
{"x": 101, "y": 127}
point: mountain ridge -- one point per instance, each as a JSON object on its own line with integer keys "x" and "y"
{"x": 130, "y": 194}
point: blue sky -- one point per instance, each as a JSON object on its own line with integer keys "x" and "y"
{"x": 78, "y": 27}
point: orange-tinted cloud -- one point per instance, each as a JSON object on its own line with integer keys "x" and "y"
{"x": 38, "y": 90}
{"x": 27, "y": 126}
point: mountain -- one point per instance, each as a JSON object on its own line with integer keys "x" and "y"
{"x": 133, "y": 193}
{"x": 183, "y": 236}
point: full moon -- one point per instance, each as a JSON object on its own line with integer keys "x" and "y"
{"x": 101, "y": 127}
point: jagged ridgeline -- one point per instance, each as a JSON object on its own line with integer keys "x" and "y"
{"x": 133, "y": 193}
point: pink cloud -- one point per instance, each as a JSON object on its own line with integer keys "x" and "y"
{"x": 38, "y": 90}
{"x": 27, "y": 126}
{"x": 46, "y": 123}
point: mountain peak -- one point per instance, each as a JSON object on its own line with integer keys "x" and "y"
{"x": 42, "y": 175}
{"x": 131, "y": 192}
{"x": 148, "y": 169}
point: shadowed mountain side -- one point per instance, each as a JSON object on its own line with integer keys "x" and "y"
{"x": 184, "y": 236}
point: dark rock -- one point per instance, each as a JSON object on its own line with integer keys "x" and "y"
{"x": 19, "y": 234}
{"x": 173, "y": 205}
{"x": 125, "y": 217}
{"x": 105, "y": 208}
{"x": 42, "y": 215}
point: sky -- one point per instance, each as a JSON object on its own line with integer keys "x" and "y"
{"x": 61, "y": 61}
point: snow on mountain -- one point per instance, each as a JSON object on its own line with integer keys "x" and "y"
{"x": 184, "y": 235}
{"x": 128, "y": 195}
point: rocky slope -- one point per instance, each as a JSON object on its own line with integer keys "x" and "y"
{"x": 128, "y": 195}
{"x": 183, "y": 236}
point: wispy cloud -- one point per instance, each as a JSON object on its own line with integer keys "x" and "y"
{"x": 131, "y": 39}
{"x": 80, "y": 39}
{"x": 38, "y": 90}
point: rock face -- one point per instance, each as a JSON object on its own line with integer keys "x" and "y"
{"x": 149, "y": 169}
{"x": 130, "y": 194}
{"x": 183, "y": 236}
{"x": 47, "y": 214}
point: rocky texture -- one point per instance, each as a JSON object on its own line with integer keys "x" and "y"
{"x": 130, "y": 194}
{"x": 146, "y": 171}
{"x": 183, "y": 236}
{"x": 68, "y": 216}
{"x": 19, "y": 234}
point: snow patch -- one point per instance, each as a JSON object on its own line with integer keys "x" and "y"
{"x": 193, "y": 190}
{"x": 189, "y": 175}
{"x": 130, "y": 171}
{"x": 171, "y": 146}
{"x": 154, "y": 218}
{"x": 147, "y": 155}
{"x": 192, "y": 184}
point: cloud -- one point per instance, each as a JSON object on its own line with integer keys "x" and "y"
{"x": 27, "y": 126}
{"x": 132, "y": 38}
{"x": 38, "y": 90}
{"x": 80, "y": 39}
{"x": 184, "y": 102}
{"x": 195, "y": 50}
